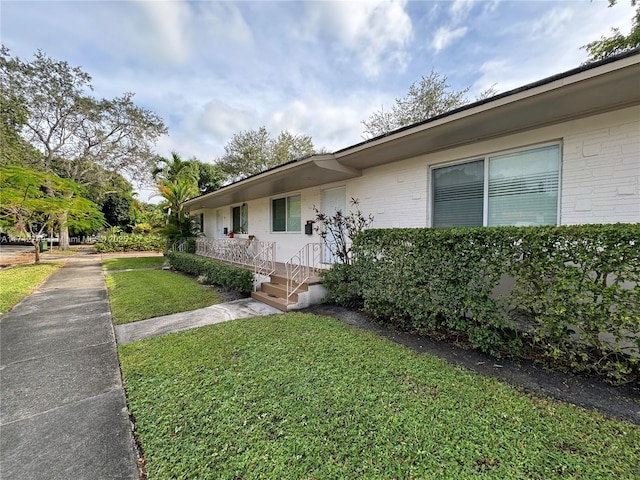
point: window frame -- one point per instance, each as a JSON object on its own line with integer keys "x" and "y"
{"x": 243, "y": 211}
{"x": 286, "y": 213}
{"x": 486, "y": 159}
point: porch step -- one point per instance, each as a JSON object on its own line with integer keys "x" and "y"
{"x": 278, "y": 290}
{"x": 275, "y": 302}
{"x": 282, "y": 280}
{"x": 274, "y": 293}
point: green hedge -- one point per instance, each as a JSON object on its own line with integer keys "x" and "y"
{"x": 130, "y": 243}
{"x": 570, "y": 295}
{"x": 215, "y": 272}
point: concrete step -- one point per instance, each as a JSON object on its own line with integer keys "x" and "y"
{"x": 278, "y": 290}
{"x": 275, "y": 302}
{"x": 282, "y": 280}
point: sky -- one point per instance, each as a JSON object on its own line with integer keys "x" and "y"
{"x": 212, "y": 69}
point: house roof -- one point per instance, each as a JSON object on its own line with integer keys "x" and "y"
{"x": 595, "y": 88}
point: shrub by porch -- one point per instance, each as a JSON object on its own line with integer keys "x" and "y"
{"x": 214, "y": 272}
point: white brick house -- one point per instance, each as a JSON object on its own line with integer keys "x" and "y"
{"x": 564, "y": 150}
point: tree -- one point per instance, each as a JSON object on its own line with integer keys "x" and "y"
{"x": 175, "y": 194}
{"x": 13, "y": 149}
{"x": 116, "y": 208}
{"x": 616, "y": 43}
{"x": 340, "y": 229}
{"x": 426, "y": 98}
{"x": 210, "y": 177}
{"x": 254, "y": 151}
{"x": 78, "y": 136}
{"x": 34, "y": 201}
{"x": 174, "y": 168}
{"x": 206, "y": 176}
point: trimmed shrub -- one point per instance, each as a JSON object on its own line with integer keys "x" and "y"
{"x": 130, "y": 243}
{"x": 214, "y": 272}
{"x": 575, "y": 298}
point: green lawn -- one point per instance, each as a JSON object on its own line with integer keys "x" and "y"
{"x": 18, "y": 282}
{"x": 142, "y": 294}
{"x": 132, "y": 263}
{"x": 302, "y": 396}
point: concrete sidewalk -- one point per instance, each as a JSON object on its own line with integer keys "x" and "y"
{"x": 63, "y": 411}
{"x": 244, "y": 308}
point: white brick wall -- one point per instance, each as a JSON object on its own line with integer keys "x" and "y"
{"x": 601, "y": 170}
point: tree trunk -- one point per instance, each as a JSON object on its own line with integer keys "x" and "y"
{"x": 36, "y": 250}
{"x": 63, "y": 236}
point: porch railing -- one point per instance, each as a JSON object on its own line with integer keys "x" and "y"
{"x": 250, "y": 253}
{"x": 178, "y": 245}
{"x": 309, "y": 261}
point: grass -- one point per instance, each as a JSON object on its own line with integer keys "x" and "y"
{"x": 18, "y": 282}
{"x": 303, "y": 396}
{"x": 132, "y": 263}
{"x": 57, "y": 252}
{"x": 141, "y": 294}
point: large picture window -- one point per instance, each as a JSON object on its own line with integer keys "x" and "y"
{"x": 286, "y": 214}
{"x": 516, "y": 188}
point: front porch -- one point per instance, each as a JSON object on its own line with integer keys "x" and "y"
{"x": 290, "y": 285}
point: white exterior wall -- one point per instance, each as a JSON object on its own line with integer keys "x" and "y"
{"x": 600, "y": 180}
{"x": 601, "y": 170}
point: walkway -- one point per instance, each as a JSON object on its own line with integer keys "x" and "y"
{"x": 63, "y": 412}
{"x": 244, "y": 308}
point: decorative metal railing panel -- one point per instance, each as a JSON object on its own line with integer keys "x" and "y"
{"x": 309, "y": 261}
{"x": 250, "y": 253}
{"x": 179, "y": 245}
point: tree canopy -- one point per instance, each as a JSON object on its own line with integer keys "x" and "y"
{"x": 426, "y": 98}
{"x": 33, "y": 201}
{"x": 77, "y": 135}
{"x": 253, "y": 151}
{"x": 617, "y": 43}
{"x": 51, "y": 123}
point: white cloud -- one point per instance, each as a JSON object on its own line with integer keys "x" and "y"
{"x": 444, "y": 36}
{"x": 332, "y": 123}
{"x": 553, "y": 23}
{"x": 447, "y": 34}
{"x": 550, "y": 44}
{"x": 169, "y": 21}
{"x": 460, "y": 10}
{"x": 377, "y": 32}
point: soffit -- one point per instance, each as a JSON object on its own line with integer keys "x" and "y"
{"x": 306, "y": 173}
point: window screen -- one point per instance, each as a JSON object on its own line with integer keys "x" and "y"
{"x": 458, "y": 193}
{"x": 523, "y": 187}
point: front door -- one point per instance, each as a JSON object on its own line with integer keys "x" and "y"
{"x": 219, "y": 224}
{"x": 333, "y": 200}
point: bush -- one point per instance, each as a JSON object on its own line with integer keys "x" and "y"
{"x": 575, "y": 299}
{"x": 130, "y": 243}
{"x": 142, "y": 228}
{"x": 214, "y": 272}
{"x": 342, "y": 286}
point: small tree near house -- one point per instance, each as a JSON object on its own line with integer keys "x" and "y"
{"x": 338, "y": 232}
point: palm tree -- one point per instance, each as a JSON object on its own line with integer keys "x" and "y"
{"x": 175, "y": 194}
{"x": 174, "y": 169}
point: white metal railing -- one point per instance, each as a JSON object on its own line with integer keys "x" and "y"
{"x": 178, "y": 246}
{"x": 309, "y": 261}
{"x": 250, "y": 253}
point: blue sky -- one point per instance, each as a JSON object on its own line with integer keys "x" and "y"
{"x": 212, "y": 69}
